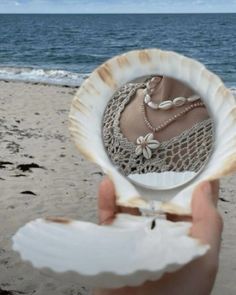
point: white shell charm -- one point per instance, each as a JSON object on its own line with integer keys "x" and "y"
{"x": 193, "y": 98}
{"x": 152, "y": 105}
{"x": 145, "y": 145}
{"x": 147, "y": 98}
{"x": 179, "y": 101}
{"x": 166, "y": 105}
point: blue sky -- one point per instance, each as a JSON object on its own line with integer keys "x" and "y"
{"x": 116, "y": 6}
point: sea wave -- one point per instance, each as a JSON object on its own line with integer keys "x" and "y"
{"x": 47, "y": 76}
{"x": 55, "y": 77}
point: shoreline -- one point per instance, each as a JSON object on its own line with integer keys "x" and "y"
{"x": 232, "y": 88}
{"x": 42, "y": 174}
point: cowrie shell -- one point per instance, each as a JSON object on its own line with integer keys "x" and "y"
{"x": 193, "y": 98}
{"x": 147, "y": 98}
{"x": 166, "y": 105}
{"x": 152, "y": 105}
{"x": 179, "y": 101}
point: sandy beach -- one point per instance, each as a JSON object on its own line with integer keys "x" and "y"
{"x": 43, "y": 174}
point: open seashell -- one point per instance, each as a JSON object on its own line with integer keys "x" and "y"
{"x": 131, "y": 249}
{"x": 108, "y": 256}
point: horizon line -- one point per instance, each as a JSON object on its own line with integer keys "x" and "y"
{"x": 102, "y": 13}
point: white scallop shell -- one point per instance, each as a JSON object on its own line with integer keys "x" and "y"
{"x": 125, "y": 252}
{"x": 86, "y": 119}
{"x": 179, "y": 101}
{"x": 166, "y": 105}
{"x": 108, "y": 256}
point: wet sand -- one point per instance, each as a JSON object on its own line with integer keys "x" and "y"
{"x": 42, "y": 174}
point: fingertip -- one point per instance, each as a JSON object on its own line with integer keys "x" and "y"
{"x": 106, "y": 181}
{"x": 207, "y": 222}
{"x": 202, "y": 200}
{"x": 106, "y": 201}
{"x": 106, "y": 187}
{"x": 206, "y": 194}
{"x": 202, "y": 193}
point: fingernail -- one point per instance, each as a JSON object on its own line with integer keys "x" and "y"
{"x": 207, "y": 188}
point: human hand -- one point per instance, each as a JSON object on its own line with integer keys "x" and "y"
{"x": 198, "y": 276}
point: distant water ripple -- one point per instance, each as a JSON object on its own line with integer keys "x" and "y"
{"x": 63, "y": 49}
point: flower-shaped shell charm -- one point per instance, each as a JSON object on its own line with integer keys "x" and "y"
{"x": 145, "y": 145}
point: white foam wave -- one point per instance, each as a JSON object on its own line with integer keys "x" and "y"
{"x": 51, "y": 76}
{"x": 58, "y": 77}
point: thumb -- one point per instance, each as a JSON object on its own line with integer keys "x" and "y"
{"x": 106, "y": 201}
{"x": 207, "y": 222}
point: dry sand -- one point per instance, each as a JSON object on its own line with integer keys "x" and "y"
{"x": 34, "y": 132}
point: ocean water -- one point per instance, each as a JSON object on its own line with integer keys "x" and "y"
{"x": 64, "y": 49}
